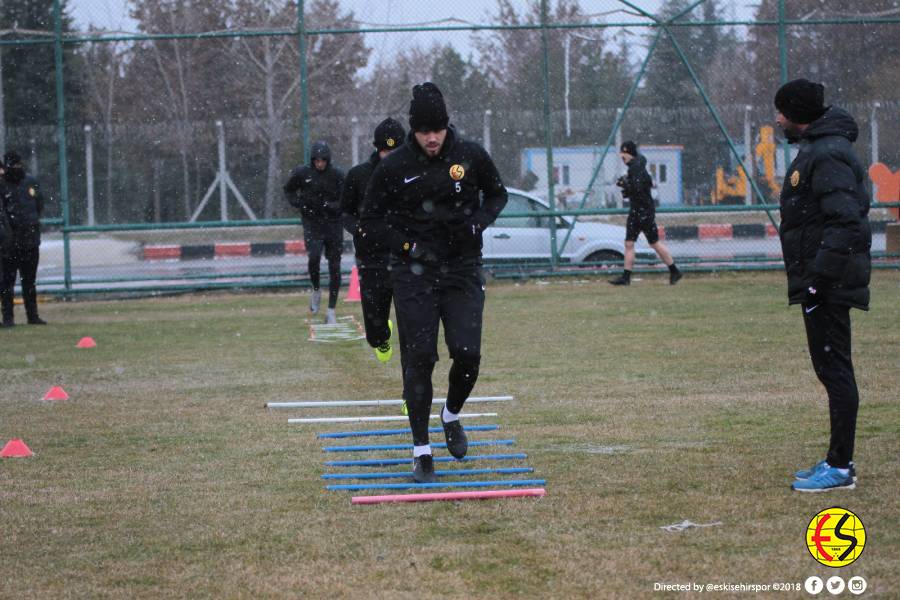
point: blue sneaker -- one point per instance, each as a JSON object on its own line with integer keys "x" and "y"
{"x": 807, "y": 473}
{"x": 825, "y": 479}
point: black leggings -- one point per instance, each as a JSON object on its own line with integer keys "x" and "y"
{"x": 330, "y": 237}
{"x": 425, "y": 297}
{"x": 22, "y": 261}
{"x": 376, "y": 292}
{"x": 828, "y": 338}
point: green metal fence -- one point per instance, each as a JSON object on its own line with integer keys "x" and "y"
{"x": 549, "y": 87}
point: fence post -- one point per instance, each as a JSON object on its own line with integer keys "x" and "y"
{"x": 32, "y": 158}
{"x": 223, "y": 169}
{"x": 354, "y": 140}
{"x": 548, "y": 133}
{"x": 2, "y": 113}
{"x": 873, "y": 123}
{"x": 748, "y": 156}
{"x": 157, "y": 199}
{"x": 486, "y": 136}
{"x": 61, "y": 140}
{"x": 620, "y": 114}
{"x": 89, "y": 173}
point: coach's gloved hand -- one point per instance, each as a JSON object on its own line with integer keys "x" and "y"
{"x": 815, "y": 293}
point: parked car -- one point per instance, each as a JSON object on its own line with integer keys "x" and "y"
{"x": 527, "y": 239}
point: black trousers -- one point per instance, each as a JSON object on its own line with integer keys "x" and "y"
{"x": 376, "y": 292}
{"x": 329, "y": 237}
{"x": 425, "y": 297}
{"x": 828, "y": 337}
{"x": 22, "y": 261}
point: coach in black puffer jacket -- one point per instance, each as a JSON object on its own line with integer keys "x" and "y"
{"x": 826, "y": 241}
{"x": 825, "y": 234}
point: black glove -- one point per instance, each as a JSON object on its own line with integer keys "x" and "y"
{"x": 621, "y": 181}
{"x": 411, "y": 249}
{"x": 815, "y": 294}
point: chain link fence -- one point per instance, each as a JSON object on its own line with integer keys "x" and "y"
{"x": 163, "y": 130}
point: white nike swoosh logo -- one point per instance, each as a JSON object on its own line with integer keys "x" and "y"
{"x": 410, "y": 179}
{"x": 811, "y": 308}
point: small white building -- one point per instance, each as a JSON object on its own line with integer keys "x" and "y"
{"x": 573, "y": 167}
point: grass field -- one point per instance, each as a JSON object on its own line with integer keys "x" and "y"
{"x": 164, "y": 476}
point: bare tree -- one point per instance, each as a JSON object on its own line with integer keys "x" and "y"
{"x": 187, "y": 73}
{"x": 271, "y": 65}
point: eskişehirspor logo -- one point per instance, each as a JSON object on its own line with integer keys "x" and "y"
{"x": 835, "y": 537}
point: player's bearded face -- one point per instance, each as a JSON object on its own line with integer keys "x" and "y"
{"x": 431, "y": 141}
{"x": 791, "y": 130}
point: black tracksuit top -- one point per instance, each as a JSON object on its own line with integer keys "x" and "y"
{"x": 432, "y": 209}
{"x": 352, "y": 195}
{"x": 24, "y": 204}
{"x": 825, "y": 234}
{"x": 316, "y": 193}
{"x": 354, "y": 189}
{"x": 638, "y": 184}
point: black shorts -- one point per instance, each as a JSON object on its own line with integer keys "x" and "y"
{"x": 327, "y": 236}
{"x": 638, "y": 224}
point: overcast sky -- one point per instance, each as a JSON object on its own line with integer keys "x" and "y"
{"x": 113, "y": 15}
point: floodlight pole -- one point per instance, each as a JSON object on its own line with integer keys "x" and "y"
{"x": 89, "y": 173}
{"x": 304, "y": 80}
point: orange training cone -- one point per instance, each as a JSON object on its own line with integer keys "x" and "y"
{"x": 353, "y": 293}
{"x": 56, "y": 393}
{"x": 86, "y": 342}
{"x": 15, "y": 449}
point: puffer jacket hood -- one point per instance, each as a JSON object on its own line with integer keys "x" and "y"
{"x": 321, "y": 150}
{"x": 835, "y": 121}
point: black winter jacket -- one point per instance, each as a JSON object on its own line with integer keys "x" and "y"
{"x": 316, "y": 193}
{"x": 352, "y": 194}
{"x": 433, "y": 209}
{"x": 638, "y": 184}
{"x": 825, "y": 235}
{"x": 23, "y": 203}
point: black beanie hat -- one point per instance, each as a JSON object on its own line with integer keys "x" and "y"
{"x": 801, "y": 101}
{"x": 388, "y": 134}
{"x": 11, "y": 158}
{"x": 427, "y": 111}
{"x": 629, "y": 147}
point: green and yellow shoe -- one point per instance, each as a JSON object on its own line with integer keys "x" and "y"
{"x": 385, "y": 351}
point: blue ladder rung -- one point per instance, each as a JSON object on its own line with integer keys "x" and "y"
{"x": 415, "y": 486}
{"x": 377, "y": 462}
{"x": 371, "y": 432}
{"x": 447, "y": 473}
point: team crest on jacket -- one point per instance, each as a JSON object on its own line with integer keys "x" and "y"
{"x": 390, "y": 142}
{"x": 457, "y": 172}
{"x": 32, "y": 192}
{"x": 795, "y": 178}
